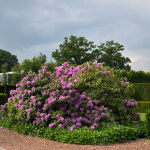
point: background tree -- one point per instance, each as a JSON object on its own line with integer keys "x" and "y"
{"x": 50, "y": 66}
{"x": 26, "y": 66}
{"x": 75, "y": 50}
{"x": 34, "y": 64}
{"x": 7, "y": 57}
{"x": 42, "y": 58}
{"x": 4, "y": 79}
{"x": 110, "y": 54}
{"x": 17, "y": 74}
{"x": 37, "y": 62}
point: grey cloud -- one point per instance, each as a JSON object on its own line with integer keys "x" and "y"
{"x": 30, "y": 27}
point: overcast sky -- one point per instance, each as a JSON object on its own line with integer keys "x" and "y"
{"x": 31, "y": 27}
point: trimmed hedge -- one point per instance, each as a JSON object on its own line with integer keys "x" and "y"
{"x": 3, "y": 98}
{"x": 112, "y": 134}
{"x": 147, "y": 124}
{"x": 134, "y": 76}
{"x": 143, "y": 106}
{"x": 142, "y": 91}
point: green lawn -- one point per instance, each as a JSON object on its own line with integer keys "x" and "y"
{"x": 143, "y": 116}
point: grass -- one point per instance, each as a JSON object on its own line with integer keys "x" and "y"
{"x": 143, "y": 116}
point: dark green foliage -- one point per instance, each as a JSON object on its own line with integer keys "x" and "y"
{"x": 143, "y": 106}
{"x": 147, "y": 124}
{"x": 74, "y": 50}
{"x": 50, "y": 66}
{"x": 33, "y": 65}
{"x": 110, "y": 54}
{"x": 134, "y": 76}
{"x": 3, "y": 98}
{"x": 105, "y": 135}
{"x": 7, "y": 57}
{"x": 30, "y": 65}
{"x": 78, "y": 50}
{"x": 8, "y": 89}
{"x": 142, "y": 91}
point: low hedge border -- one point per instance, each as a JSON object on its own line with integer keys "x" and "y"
{"x": 84, "y": 136}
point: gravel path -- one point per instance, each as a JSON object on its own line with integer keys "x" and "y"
{"x": 10, "y": 140}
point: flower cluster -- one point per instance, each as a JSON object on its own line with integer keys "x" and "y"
{"x": 71, "y": 97}
{"x": 130, "y": 103}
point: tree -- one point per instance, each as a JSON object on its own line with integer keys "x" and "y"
{"x": 42, "y": 58}
{"x": 50, "y": 66}
{"x": 7, "y": 57}
{"x": 110, "y": 54}
{"x": 75, "y": 50}
{"x": 26, "y": 66}
{"x": 37, "y": 62}
{"x": 4, "y": 79}
{"x": 17, "y": 74}
{"x": 34, "y": 64}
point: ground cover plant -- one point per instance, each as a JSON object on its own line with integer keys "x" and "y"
{"x": 73, "y": 98}
{"x": 103, "y": 135}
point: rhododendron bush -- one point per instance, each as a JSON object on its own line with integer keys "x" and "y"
{"x": 72, "y": 97}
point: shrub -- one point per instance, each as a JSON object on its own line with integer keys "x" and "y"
{"x": 105, "y": 135}
{"x": 148, "y": 123}
{"x": 143, "y": 106}
{"x": 134, "y": 76}
{"x": 3, "y": 98}
{"x": 72, "y": 97}
{"x": 142, "y": 91}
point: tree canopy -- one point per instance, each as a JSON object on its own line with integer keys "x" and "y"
{"x": 34, "y": 64}
{"x": 78, "y": 50}
{"x": 110, "y": 54}
{"x": 7, "y": 57}
{"x": 31, "y": 65}
{"x": 75, "y": 50}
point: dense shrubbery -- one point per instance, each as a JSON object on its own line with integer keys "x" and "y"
{"x": 72, "y": 97}
{"x": 112, "y": 134}
{"x": 135, "y": 76}
{"x": 143, "y": 106}
{"x": 3, "y": 98}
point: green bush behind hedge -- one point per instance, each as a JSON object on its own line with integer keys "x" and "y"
{"x": 3, "y": 98}
{"x": 143, "y": 106}
{"x": 112, "y": 134}
{"x": 135, "y": 76}
{"x": 142, "y": 91}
